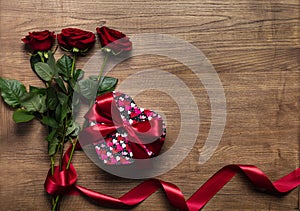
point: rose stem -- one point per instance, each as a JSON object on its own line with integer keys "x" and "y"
{"x": 102, "y": 69}
{"x": 100, "y": 79}
{"x": 99, "y": 83}
{"x": 62, "y": 143}
{"x": 55, "y": 203}
{"x": 73, "y": 65}
{"x": 71, "y": 153}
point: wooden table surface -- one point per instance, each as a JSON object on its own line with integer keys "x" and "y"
{"x": 253, "y": 45}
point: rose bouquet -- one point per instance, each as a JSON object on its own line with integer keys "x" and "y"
{"x": 55, "y": 103}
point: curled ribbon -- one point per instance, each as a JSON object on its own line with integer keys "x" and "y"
{"x": 145, "y": 136}
{"x": 64, "y": 182}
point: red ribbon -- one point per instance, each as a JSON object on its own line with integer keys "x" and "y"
{"x": 64, "y": 182}
{"x": 107, "y": 115}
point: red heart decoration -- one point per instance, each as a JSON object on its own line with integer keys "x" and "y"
{"x": 121, "y": 131}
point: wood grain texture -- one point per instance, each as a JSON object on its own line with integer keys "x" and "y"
{"x": 253, "y": 45}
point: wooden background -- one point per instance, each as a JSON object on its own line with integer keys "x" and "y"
{"x": 253, "y": 45}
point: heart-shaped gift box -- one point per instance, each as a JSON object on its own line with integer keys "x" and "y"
{"x": 120, "y": 131}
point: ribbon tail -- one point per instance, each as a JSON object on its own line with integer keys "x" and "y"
{"x": 256, "y": 176}
{"x": 200, "y": 198}
{"x": 139, "y": 194}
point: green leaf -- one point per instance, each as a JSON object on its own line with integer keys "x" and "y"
{"x": 35, "y": 58}
{"x": 76, "y": 98}
{"x": 11, "y": 91}
{"x": 78, "y": 74}
{"x": 108, "y": 85}
{"x": 76, "y": 104}
{"x": 65, "y": 109}
{"x": 64, "y": 65}
{"x": 61, "y": 84}
{"x": 51, "y": 100}
{"x": 44, "y": 71}
{"x": 62, "y": 98}
{"x": 88, "y": 88}
{"x": 73, "y": 129}
{"x": 51, "y": 135}
{"x": 51, "y": 59}
{"x": 71, "y": 83}
{"x": 51, "y": 62}
{"x": 21, "y": 115}
{"x": 52, "y": 146}
{"x": 58, "y": 113}
{"x": 37, "y": 90}
{"x": 50, "y": 122}
{"x": 34, "y": 102}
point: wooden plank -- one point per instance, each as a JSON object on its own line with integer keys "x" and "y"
{"x": 254, "y": 47}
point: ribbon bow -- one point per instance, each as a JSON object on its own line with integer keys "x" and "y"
{"x": 116, "y": 114}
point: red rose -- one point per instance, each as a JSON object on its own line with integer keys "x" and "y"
{"x": 113, "y": 39}
{"x": 40, "y": 41}
{"x": 76, "y": 39}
